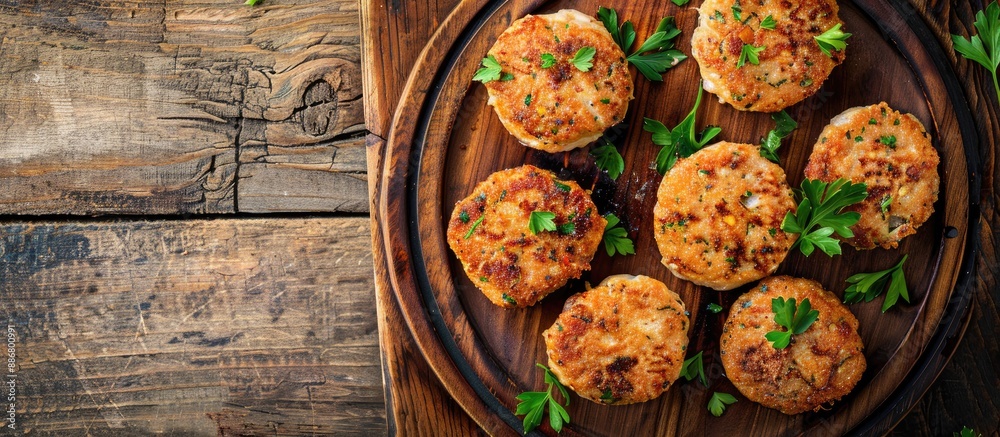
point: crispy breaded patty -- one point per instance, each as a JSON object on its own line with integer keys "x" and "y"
{"x": 718, "y": 214}
{"x": 558, "y": 107}
{"x": 621, "y": 342}
{"x": 819, "y": 365}
{"x": 511, "y": 265}
{"x": 892, "y": 154}
{"x": 792, "y": 66}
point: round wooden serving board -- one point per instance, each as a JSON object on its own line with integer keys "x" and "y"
{"x": 445, "y": 139}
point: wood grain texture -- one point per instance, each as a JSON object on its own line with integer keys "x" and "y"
{"x": 967, "y": 393}
{"x": 987, "y": 113}
{"x": 224, "y": 327}
{"x": 180, "y": 107}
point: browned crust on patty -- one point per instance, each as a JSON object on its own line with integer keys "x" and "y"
{"x": 792, "y": 66}
{"x": 511, "y": 265}
{"x": 621, "y": 342}
{"x": 820, "y": 365}
{"x": 892, "y": 154}
{"x": 568, "y": 108}
{"x": 718, "y": 214}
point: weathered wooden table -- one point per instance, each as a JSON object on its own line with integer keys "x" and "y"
{"x": 185, "y": 244}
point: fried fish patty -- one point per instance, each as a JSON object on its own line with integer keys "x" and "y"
{"x": 558, "y": 107}
{"x": 792, "y": 66}
{"x": 621, "y": 342}
{"x": 718, "y": 214}
{"x": 513, "y": 266}
{"x": 892, "y": 154}
{"x": 818, "y": 367}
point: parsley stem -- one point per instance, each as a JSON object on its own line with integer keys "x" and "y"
{"x": 996, "y": 85}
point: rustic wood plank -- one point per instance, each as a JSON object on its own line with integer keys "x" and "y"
{"x": 412, "y": 391}
{"x": 393, "y": 34}
{"x": 227, "y": 327}
{"x": 139, "y": 108}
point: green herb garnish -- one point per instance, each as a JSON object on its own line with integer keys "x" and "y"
{"x": 548, "y": 60}
{"x": 833, "y": 39}
{"x": 680, "y": 2}
{"x": 681, "y": 141}
{"x": 749, "y": 54}
{"x": 867, "y": 286}
{"x": 490, "y": 71}
{"x": 608, "y": 159}
{"x": 694, "y": 368}
{"x": 717, "y": 405}
{"x": 966, "y": 432}
{"x": 714, "y": 308}
{"x": 583, "y": 60}
{"x": 784, "y": 125}
{"x": 768, "y": 23}
{"x": 884, "y": 205}
{"x": 252, "y": 2}
{"x": 475, "y": 225}
{"x": 984, "y": 48}
{"x": 616, "y": 238}
{"x": 796, "y": 321}
{"x": 818, "y": 215}
{"x": 655, "y": 55}
{"x": 532, "y": 404}
{"x": 737, "y": 12}
{"x": 540, "y": 221}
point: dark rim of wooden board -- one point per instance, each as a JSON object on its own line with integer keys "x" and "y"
{"x": 429, "y": 106}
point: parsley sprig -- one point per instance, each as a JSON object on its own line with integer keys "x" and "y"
{"x": 984, "y": 48}
{"x": 832, "y": 39}
{"x": 655, "y": 55}
{"x": 749, "y": 53}
{"x": 784, "y": 125}
{"x": 681, "y": 141}
{"x": 540, "y": 221}
{"x": 819, "y": 215}
{"x": 717, "y": 404}
{"x": 694, "y": 367}
{"x": 583, "y": 60}
{"x": 533, "y": 403}
{"x": 768, "y": 23}
{"x": 616, "y": 237}
{"x": 608, "y": 159}
{"x": 868, "y": 286}
{"x": 491, "y": 70}
{"x": 795, "y": 320}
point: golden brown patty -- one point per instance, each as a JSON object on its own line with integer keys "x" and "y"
{"x": 512, "y": 266}
{"x": 892, "y": 154}
{"x": 718, "y": 214}
{"x": 818, "y": 367}
{"x": 621, "y": 342}
{"x": 560, "y": 107}
{"x": 792, "y": 66}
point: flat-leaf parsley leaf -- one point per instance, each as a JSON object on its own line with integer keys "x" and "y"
{"x": 608, "y": 159}
{"x": 768, "y": 23}
{"x": 784, "y": 125}
{"x": 819, "y": 214}
{"x": 832, "y": 39}
{"x": 655, "y": 55}
{"x": 583, "y": 60}
{"x": 490, "y": 71}
{"x": 532, "y": 404}
{"x": 694, "y": 368}
{"x": 984, "y": 48}
{"x": 616, "y": 238}
{"x": 548, "y": 60}
{"x": 795, "y": 320}
{"x": 717, "y": 404}
{"x": 681, "y": 141}
{"x": 749, "y": 54}
{"x": 540, "y": 221}
{"x": 867, "y": 286}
